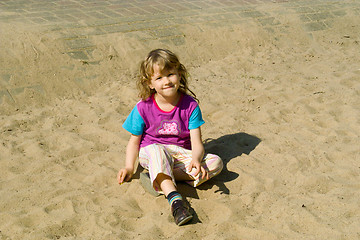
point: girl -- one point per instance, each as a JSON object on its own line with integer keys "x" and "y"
{"x": 165, "y": 132}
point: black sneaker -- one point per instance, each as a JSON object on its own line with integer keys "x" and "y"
{"x": 180, "y": 212}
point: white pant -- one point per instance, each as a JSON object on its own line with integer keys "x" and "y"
{"x": 158, "y": 158}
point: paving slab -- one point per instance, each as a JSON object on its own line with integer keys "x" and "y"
{"x": 76, "y": 22}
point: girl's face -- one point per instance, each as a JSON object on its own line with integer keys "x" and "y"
{"x": 165, "y": 83}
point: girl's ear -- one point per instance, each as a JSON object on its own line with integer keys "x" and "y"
{"x": 179, "y": 73}
{"x": 150, "y": 85}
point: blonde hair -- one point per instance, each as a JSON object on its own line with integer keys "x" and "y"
{"x": 167, "y": 61}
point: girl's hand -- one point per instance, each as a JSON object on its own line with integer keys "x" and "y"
{"x": 124, "y": 174}
{"x": 199, "y": 168}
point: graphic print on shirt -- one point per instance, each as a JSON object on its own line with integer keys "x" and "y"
{"x": 169, "y": 128}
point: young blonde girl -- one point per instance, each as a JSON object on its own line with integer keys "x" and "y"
{"x": 165, "y": 132}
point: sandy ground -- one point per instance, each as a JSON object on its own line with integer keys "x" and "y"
{"x": 281, "y": 109}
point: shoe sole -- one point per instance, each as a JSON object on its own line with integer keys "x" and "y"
{"x": 185, "y": 220}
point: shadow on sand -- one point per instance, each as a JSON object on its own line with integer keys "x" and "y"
{"x": 227, "y": 147}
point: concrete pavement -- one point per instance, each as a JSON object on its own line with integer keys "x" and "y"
{"x": 76, "y": 22}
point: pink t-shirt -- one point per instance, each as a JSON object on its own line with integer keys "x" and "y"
{"x": 158, "y": 126}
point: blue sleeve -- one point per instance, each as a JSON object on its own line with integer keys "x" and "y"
{"x": 134, "y": 122}
{"x": 196, "y": 119}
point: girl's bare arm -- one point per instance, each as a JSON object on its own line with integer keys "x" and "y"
{"x": 197, "y": 149}
{"x": 132, "y": 152}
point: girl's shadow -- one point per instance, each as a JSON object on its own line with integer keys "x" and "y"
{"x": 227, "y": 147}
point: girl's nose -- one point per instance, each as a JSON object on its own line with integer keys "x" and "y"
{"x": 167, "y": 80}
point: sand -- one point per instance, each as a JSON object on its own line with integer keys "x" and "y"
{"x": 282, "y": 110}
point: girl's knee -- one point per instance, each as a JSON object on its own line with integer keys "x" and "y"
{"x": 219, "y": 163}
{"x": 215, "y": 163}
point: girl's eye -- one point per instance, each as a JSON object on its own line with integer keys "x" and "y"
{"x": 170, "y": 74}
